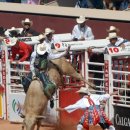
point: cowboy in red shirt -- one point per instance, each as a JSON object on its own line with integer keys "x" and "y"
{"x": 19, "y": 48}
{"x": 22, "y": 49}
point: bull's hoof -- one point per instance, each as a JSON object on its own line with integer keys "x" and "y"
{"x": 21, "y": 115}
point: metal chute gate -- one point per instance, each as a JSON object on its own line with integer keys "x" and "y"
{"x": 14, "y": 90}
{"x": 115, "y": 76}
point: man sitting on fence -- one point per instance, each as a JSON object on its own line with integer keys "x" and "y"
{"x": 120, "y": 40}
{"x": 114, "y": 42}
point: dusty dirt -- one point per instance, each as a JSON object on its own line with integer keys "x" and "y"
{"x": 6, "y": 125}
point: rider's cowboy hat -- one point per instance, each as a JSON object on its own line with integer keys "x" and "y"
{"x": 112, "y": 35}
{"x": 83, "y": 90}
{"x": 81, "y": 19}
{"x": 41, "y": 49}
{"x": 2, "y": 31}
{"x": 41, "y": 36}
{"x": 113, "y": 29}
{"x": 48, "y": 31}
{"x": 27, "y": 20}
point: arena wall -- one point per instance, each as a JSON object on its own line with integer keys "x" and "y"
{"x": 62, "y": 19}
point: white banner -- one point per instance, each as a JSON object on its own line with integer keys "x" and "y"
{"x": 17, "y": 99}
{"x": 81, "y": 45}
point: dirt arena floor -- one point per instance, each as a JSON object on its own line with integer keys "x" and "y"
{"x": 6, "y": 125}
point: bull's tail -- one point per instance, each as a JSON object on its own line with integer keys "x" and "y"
{"x": 80, "y": 77}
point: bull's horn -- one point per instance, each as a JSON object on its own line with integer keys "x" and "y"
{"x": 90, "y": 84}
{"x": 41, "y": 117}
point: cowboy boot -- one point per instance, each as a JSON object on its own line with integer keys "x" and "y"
{"x": 79, "y": 127}
{"x": 111, "y": 127}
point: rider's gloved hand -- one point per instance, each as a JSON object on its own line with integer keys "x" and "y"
{"x": 52, "y": 102}
{"x": 67, "y": 50}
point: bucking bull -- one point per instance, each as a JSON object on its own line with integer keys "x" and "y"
{"x": 36, "y": 101}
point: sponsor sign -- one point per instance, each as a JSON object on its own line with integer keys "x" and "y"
{"x": 30, "y": 40}
{"x": 81, "y": 45}
{"x": 121, "y": 118}
{"x": 16, "y": 101}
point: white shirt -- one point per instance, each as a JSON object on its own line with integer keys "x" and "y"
{"x": 83, "y": 102}
{"x": 121, "y": 40}
{"x": 85, "y": 32}
{"x": 50, "y": 56}
{"x": 48, "y": 43}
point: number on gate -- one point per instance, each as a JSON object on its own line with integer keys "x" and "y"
{"x": 7, "y": 41}
{"x": 113, "y": 50}
{"x": 10, "y": 41}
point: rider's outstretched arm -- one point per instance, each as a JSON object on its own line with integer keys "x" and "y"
{"x": 32, "y": 60}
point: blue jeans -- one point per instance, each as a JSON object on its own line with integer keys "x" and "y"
{"x": 84, "y": 4}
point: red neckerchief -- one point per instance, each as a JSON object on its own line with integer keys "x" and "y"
{"x": 95, "y": 116}
{"x": 105, "y": 117}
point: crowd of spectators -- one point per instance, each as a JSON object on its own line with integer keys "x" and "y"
{"x": 24, "y": 1}
{"x": 93, "y": 4}
{"x": 104, "y": 4}
{"x": 80, "y": 32}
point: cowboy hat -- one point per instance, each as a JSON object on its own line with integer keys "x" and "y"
{"x": 41, "y": 36}
{"x": 48, "y": 31}
{"x": 113, "y": 28}
{"x": 41, "y": 49}
{"x": 83, "y": 90}
{"x": 27, "y": 20}
{"x": 2, "y": 31}
{"x": 112, "y": 35}
{"x": 14, "y": 32}
{"x": 81, "y": 19}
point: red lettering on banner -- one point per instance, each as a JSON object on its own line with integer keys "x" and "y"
{"x": 106, "y": 76}
{"x": 3, "y": 69}
{"x": 4, "y": 72}
{"x": 2, "y": 89}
